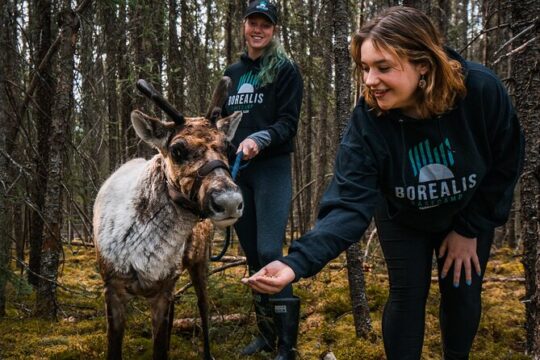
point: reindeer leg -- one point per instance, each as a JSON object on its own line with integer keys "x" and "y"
{"x": 170, "y": 322}
{"x": 198, "y": 273}
{"x": 162, "y": 308}
{"x": 115, "y": 308}
{"x": 196, "y": 262}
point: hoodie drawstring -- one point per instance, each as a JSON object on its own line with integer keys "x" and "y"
{"x": 404, "y": 153}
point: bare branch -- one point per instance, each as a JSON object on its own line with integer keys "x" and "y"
{"x": 514, "y": 38}
{"x": 484, "y": 31}
{"x": 515, "y": 51}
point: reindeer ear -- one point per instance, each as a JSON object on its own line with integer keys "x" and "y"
{"x": 151, "y": 130}
{"x": 229, "y": 124}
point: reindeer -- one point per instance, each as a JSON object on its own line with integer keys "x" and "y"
{"x": 153, "y": 218}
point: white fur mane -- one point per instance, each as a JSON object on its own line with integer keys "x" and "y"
{"x": 137, "y": 227}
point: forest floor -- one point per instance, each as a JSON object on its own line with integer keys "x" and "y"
{"x": 327, "y": 322}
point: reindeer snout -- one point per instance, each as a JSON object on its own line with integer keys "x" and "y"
{"x": 225, "y": 207}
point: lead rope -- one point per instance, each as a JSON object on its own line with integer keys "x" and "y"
{"x": 237, "y": 166}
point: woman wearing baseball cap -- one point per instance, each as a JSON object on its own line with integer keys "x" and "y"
{"x": 267, "y": 87}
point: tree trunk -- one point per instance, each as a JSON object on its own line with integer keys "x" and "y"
{"x": 186, "y": 29}
{"x": 357, "y": 291}
{"x": 312, "y": 119}
{"x": 357, "y": 287}
{"x": 127, "y": 135}
{"x": 175, "y": 64}
{"x": 320, "y": 156}
{"x": 440, "y": 15}
{"x": 110, "y": 20}
{"x": 7, "y": 44}
{"x": 204, "y": 80}
{"x": 424, "y": 5}
{"x": 308, "y": 123}
{"x": 42, "y": 36}
{"x": 46, "y": 305}
{"x": 95, "y": 114}
{"x": 141, "y": 38}
{"x": 526, "y": 74}
{"x": 229, "y": 21}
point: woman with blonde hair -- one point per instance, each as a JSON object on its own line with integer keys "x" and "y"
{"x": 433, "y": 151}
{"x": 267, "y": 87}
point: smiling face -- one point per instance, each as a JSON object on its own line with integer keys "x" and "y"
{"x": 392, "y": 81}
{"x": 258, "y": 32}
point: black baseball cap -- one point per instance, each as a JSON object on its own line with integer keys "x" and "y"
{"x": 262, "y": 7}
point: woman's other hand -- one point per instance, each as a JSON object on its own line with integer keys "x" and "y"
{"x": 249, "y": 148}
{"x": 461, "y": 252}
{"x": 271, "y": 279}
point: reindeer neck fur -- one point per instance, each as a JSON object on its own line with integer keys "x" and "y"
{"x": 152, "y": 243}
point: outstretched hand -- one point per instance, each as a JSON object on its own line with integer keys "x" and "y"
{"x": 271, "y": 279}
{"x": 460, "y": 251}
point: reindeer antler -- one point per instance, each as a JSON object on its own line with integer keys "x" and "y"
{"x": 148, "y": 90}
{"x": 218, "y": 98}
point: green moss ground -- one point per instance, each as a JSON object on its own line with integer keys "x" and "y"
{"x": 327, "y": 323}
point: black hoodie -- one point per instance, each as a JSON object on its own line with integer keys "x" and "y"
{"x": 274, "y": 107}
{"x": 455, "y": 172}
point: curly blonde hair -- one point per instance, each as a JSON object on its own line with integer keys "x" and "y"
{"x": 408, "y": 34}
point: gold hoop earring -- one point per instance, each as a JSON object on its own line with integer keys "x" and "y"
{"x": 422, "y": 83}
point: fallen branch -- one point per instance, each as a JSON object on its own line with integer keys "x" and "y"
{"x": 79, "y": 243}
{"x": 230, "y": 259}
{"x": 188, "y": 324}
{"x": 213, "y": 271}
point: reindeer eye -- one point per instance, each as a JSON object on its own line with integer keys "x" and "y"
{"x": 179, "y": 152}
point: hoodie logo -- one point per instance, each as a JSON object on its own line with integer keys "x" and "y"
{"x": 246, "y": 94}
{"x": 437, "y": 183}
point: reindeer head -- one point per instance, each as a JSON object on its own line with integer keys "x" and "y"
{"x": 194, "y": 154}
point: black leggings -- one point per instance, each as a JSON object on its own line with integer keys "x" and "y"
{"x": 266, "y": 187}
{"x": 408, "y": 254}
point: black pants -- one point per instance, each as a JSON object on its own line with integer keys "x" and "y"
{"x": 408, "y": 254}
{"x": 266, "y": 187}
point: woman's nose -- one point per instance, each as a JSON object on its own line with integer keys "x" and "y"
{"x": 370, "y": 78}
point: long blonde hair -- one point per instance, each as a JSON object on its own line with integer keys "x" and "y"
{"x": 408, "y": 34}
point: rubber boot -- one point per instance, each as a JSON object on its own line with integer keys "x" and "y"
{"x": 286, "y": 318}
{"x": 266, "y": 339}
